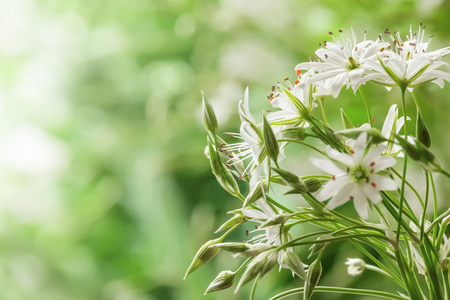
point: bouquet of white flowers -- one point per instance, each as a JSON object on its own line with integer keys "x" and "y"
{"x": 409, "y": 248}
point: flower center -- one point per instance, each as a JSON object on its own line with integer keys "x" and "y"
{"x": 359, "y": 174}
{"x": 352, "y": 64}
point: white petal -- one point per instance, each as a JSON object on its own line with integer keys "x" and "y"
{"x": 383, "y": 183}
{"x": 342, "y": 196}
{"x": 327, "y": 166}
{"x": 360, "y": 202}
{"x": 372, "y": 193}
{"x": 331, "y": 188}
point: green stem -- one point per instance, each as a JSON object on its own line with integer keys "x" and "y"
{"x": 340, "y": 290}
{"x": 322, "y": 106}
{"x": 405, "y": 163}
{"x": 369, "y": 114}
{"x": 424, "y": 215}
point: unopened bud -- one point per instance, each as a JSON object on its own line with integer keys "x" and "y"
{"x": 275, "y": 220}
{"x": 204, "y": 254}
{"x": 422, "y": 132}
{"x": 297, "y": 134}
{"x": 293, "y": 262}
{"x": 421, "y": 154}
{"x": 244, "y": 249}
{"x": 224, "y": 280}
{"x": 255, "y": 194}
{"x": 355, "y": 266}
{"x": 238, "y": 218}
{"x": 313, "y": 184}
{"x": 293, "y": 180}
{"x": 313, "y": 276}
{"x": 209, "y": 117}
{"x": 374, "y": 134}
{"x": 260, "y": 265}
{"x": 270, "y": 141}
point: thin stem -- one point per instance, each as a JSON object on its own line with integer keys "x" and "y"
{"x": 340, "y": 290}
{"x": 369, "y": 114}
{"x": 424, "y": 215}
{"x": 405, "y": 163}
{"x": 322, "y": 106}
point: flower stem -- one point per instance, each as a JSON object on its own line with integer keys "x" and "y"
{"x": 366, "y": 104}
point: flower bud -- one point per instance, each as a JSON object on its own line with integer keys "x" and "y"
{"x": 313, "y": 276}
{"x": 422, "y": 132}
{"x": 255, "y": 194}
{"x": 293, "y": 180}
{"x": 355, "y": 266}
{"x": 293, "y": 262}
{"x": 204, "y": 254}
{"x": 313, "y": 184}
{"x": 270, "y": 141}
{"x": 260, "y": 265}
{"x": 275, "y": 220}
{"x": 296, "y": 134}
{"x": 209, "y": 117}
{"x": 224, "y": 280}
{"x": 238, "y": 218}
{"x": 421, "y": 154}
{"x": 244, "y": 249}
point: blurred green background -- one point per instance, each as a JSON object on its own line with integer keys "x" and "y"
{"x": 105, "y": 191}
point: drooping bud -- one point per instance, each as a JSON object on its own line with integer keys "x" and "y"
{"x": 209, "y": 117}
{"x": 275, "y": 220}
{"x": 421, "y": 154}
{"x": 204, "y": 254}
{"x": 244, "y": 249}
{"x": 293, "y": 262}
{"x": 313, "y": 184}
{"x": 260, "y": 265}
{"x": 224, "y": 280}
{"x": 313, "y": 276}
{"x": 255, "y": 194}
{"x": 293, "y": 180}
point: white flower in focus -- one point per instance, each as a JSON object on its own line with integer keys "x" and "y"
{"x": 392, "y": 125}
{"x": 355, "y": 267}
{"x": 343, "y": 62}
{"x": 354, "y": 176}
{"x": 408, "y": 63}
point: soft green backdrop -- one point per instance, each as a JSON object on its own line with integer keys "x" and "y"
{"x": 105, "y": 192}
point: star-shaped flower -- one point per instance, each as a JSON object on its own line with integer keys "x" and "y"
{"x": 355, "y": 176}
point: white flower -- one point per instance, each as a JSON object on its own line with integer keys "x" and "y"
{"x": 355, "y": 266}
{"x": 289, "y": 113}
{"x": 408, "y": 63}
{"x": 252, "y": 145}
{"x": 355, "y": 176}
{"x": 343, "y": 62}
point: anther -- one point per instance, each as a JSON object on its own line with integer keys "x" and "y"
{"x": 330, "y": 33}
{"x": 340, "y": 31}
{"x": 298, "y": 72}
{"x": 373, "y": 184}
{"x": 372, "y": 164}
{"x": 273, "y": 88}
{"x": 326, "y": 55}
{"x": 246, "y": 232}
{"x": 382, "y": 49}
{"x": 351, "y": 151}
{"x": 373, "y": 121}
{"x": 297, "y": 82}
{"x": 333, "y": 177}
{"x": 285, "y": 78}
{"x": 324, "y": 43}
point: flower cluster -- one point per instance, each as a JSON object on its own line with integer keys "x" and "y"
{"x": 359, "y": 164}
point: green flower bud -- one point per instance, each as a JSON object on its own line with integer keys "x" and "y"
{"x": 270, "y": 141}
{"x": 372, "y": 133}
{"x": 313, "y": 276}
{"x": 255, "y": 194}
{"x": 293, "y": 262}
{"x": 421, "y": 154}
{"x": 296, "y": 134}
{"x": 204, "y": 254}
{"x": 293, "y": 180}
{"x": 422, "y": 132}
{"x": 259, "y": 266}
{"x": 209, "y": 117}
{"x": 276, "y": 220}
{"x": 238, "y": 218}
{"x": 244, "y": 249}
{"x": 313, "y": 184}
{"x": 224, "y": 280}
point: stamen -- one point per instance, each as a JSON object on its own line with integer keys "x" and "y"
{"x": 373, "y": 184}
{"x": 298, "y": 72}
{"x": 333, "y": 177}
{"x": 324, "y": 43}
{"x": 330, "y": 33}
{"x": 372, "y": 164}
{"x": 382, "y": 49}
{"x": 297, "y": 82}
{"x": 246, "y": 232}
{"x": 326, "y": 56}
{"x": 351, "y": 151}
{"x": 373, "y": 121}
{"x": 273, "y": 88}
{"x": 285, "y": 78}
